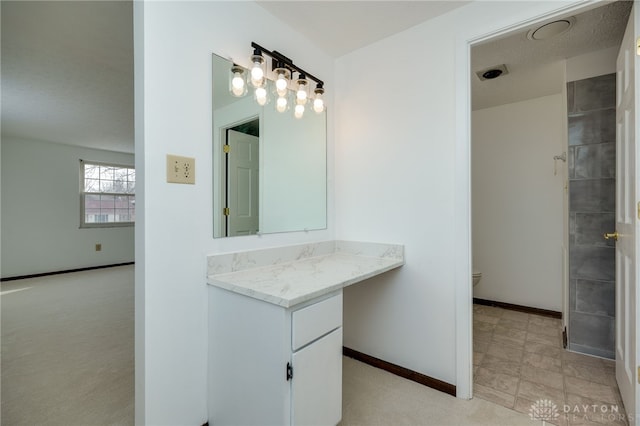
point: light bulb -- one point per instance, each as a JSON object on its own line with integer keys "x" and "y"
{"x": 257, "y": 75}
{"x": 302, "y": 90}
{"x": 281, "y": 104}
{"x": 257, "y": 70}
{"x": 298, "y": 112}
{"x": 281, "y": 85}
{"x": 318, "y": 101}
{"x": 237, "y": 84}
{"x": 261, "y": 96}
{"x": 318, "y": 105}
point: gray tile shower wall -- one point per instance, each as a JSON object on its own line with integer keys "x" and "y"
{"x": 592, "y": 159}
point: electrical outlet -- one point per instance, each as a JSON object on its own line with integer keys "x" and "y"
{"x": 98, "y": 247}
{"x": 181, "y": 169}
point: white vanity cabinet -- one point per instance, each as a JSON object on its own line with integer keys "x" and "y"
{"x": 271, "y": 365}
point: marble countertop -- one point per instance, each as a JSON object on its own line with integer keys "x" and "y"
{"x": 287, "y": 276}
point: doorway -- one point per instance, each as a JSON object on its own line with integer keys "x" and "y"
{"x": 240, "y": 172}
{"x": 574, "y": 9}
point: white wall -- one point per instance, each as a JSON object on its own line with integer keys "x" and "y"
{"x": 592, "y": 64}
{"x": 174, "y": 42}
{"x": 41, "y": 210}
{"x": 395, "y": 165}
{"x": 397, "y": 151}
{"x": 517, "y": 205}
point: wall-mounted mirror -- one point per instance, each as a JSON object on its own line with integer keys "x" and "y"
{"x": 269, "y": 168}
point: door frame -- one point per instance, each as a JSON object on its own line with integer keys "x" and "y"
{"x": 462, "y": 185}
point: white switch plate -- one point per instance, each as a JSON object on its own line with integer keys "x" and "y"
{"x": 181, "y": 169}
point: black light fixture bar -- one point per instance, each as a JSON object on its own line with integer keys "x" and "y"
{"x": 280, "y": 60}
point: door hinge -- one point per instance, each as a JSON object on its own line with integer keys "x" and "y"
{"x": 289, "y": 371}
{"x": 225, "y": 211}
{"x": 226, "y": 149}
{"x": 638, "y": 210}
{"x": 564, "y": 338}
{"x": 638, "y": 375}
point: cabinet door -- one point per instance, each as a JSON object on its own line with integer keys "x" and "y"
{"x": 316, "y": 388}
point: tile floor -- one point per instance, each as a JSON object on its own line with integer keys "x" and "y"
{"x": 518, "y": 360}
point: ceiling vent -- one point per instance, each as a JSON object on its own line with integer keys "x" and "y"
{"x": 492, "y": 72}
{"x": 551, "y": 29}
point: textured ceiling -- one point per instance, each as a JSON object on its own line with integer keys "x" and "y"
{"x": 67, "y": 72}
{"x": 536, "y": 68}
{"x": 339, "y": 27}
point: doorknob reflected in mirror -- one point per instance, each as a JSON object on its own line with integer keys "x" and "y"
{"x": 613, "y": 236}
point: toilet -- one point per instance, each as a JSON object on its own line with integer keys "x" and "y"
{"x": 477, "y": 275}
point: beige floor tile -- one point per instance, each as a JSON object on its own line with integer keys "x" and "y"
{"x": 508, "y": 352}
{"x": 561, "y": 420}
{"x": 541, "y": 348}
{"x": 492, "y": 395}
{"x": 590, "y": 390}
{"x": 483, "y": 326}
{"x": 608, "y": 363}
{"x": 482, "y": 336}
{"x": 481, "y": 345}
{"x": 539, "y": 367}
{"x": 595, "y": 411}
{"x": 535, "y": 391}
{"x": 516, "y": 316}
{"x": 501, "y": 365}
{"x": 543, "y": 321}
{"x": 510, "y": 332}
{"x": 514, "y": 324}
{"x": 543, "y": 338}
{"x": 581, "y": 358}
{"x": 523, "y": 405}
{"x": 549, "y": 330}
{"x": 490, "y": 311}
{"x": 542, "y": 376}
{"x": 483, "y": 317}
{"x": 588, "y": 372}
{"x": 497, "y": 381}
{"x": 503, "y": 339}
{"x": 549, "y": 363}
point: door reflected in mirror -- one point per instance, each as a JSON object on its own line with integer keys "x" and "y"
{"x": 269, "y": 168}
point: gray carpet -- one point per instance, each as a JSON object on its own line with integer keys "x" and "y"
{"x": 68, "y": 349}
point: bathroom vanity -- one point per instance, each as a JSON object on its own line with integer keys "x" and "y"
{"x": 275, "y": 330}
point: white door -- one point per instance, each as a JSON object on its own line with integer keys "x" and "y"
{"x": 242, "y": 184}
{"x": 316, "y": 387}
{"x": 627, "y": 211}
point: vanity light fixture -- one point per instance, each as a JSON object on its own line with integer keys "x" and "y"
{"x": 283, "y": 69}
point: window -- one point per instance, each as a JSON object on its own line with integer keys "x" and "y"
{"x": 107, "y": 195}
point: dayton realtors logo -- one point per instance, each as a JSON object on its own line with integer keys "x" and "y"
{"x": 547, "y": 411}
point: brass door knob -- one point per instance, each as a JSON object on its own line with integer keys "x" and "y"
{"x": 613, "y": 236}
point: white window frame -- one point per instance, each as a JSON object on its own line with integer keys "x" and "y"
{"x": 83, "y": 193}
